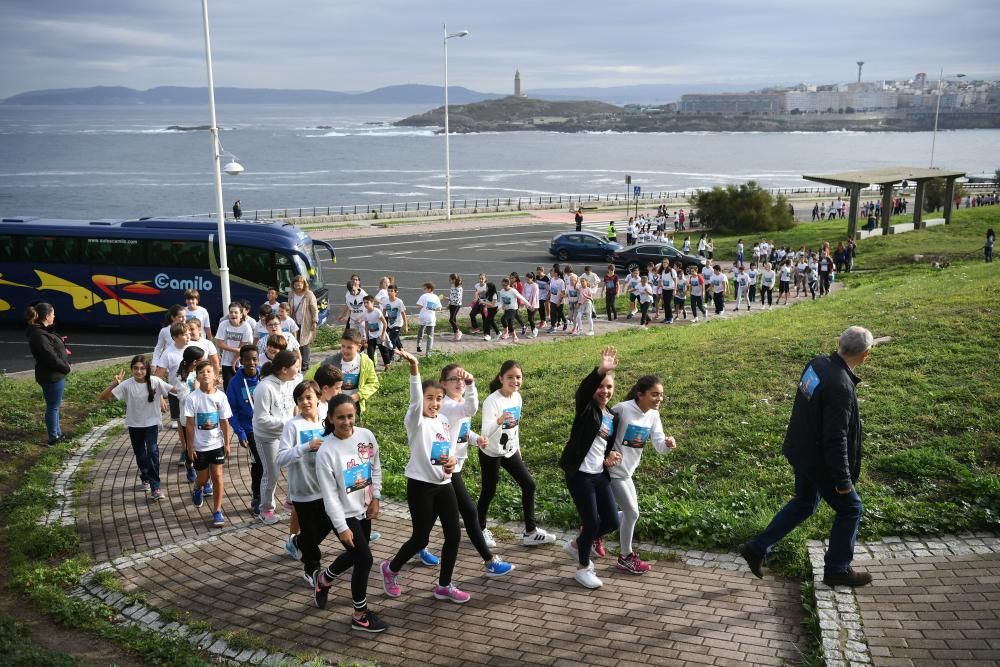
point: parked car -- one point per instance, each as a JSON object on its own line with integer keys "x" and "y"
{"x": 583, "y": 245}
{"x": 639, "y": 255}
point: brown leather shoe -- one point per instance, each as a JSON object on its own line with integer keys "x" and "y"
{"x": 851, "y": 578}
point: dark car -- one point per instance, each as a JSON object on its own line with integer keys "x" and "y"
{"x": 583, "y": 245}
{"x": 639, "y": 255}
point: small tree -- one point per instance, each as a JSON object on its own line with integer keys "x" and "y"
{"x": 742, "y": 209}
{"x": 935, "y": 191}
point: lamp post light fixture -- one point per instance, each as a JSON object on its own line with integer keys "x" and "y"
{"x": 233, "y": 167}
{"x": 447, "y": 148}
{"x": 937, "y": 112}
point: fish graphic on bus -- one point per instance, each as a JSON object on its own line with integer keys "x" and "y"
{"x": 84, "y": 298}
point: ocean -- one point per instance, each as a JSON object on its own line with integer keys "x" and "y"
{"x": 120, "y": 162}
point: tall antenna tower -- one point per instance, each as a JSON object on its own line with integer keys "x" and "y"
{"x": 861, "y": 63}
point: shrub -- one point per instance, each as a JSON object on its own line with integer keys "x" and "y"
{"x": 743, "y": 209}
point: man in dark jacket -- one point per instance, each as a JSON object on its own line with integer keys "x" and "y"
{"x": 823, "y": 445}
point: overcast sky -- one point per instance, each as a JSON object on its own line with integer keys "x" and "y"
{"x": 356, "y": 46}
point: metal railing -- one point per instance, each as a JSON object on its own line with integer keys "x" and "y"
{"x": 537, "y": 201}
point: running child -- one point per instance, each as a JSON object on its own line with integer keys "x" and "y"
{"x": 429, "y": 492}
{"x": 784, "y": 280}
{"x": 175, "y": 315}
{"x": 349, "y": 473}
{"x": 557, "y": 294}
{"x": 668, "y": 284}
{"x": 207, "y": 428}
{"x": 542, "y": 280}
{"x": 377, "y": 332}
{"x": 633, "y": 283}
{"x": 531, "y": 295}
{"x": 184, "y": 383}
{"x": 353, "y": 303}
{"x": 166, "y": 365}
{"x": 240, "y": 393}
{"x": 488, "y": 304}
{"x": 395, "y": 317}
{"x": 501, "y": 428}
{"x": 754, "y": 276}
{"x": 742, "y": 288}
{"x": 767, "y": 277}
{"x": 143, "y": 395}
{"x": 585, "y": 309}
{"x": 680, "y": 292}
{"x": 476, "y": 307}
{"x": 360, "y": 380}
{"x": 454, "y": 303}
{"x": 720, "y": 284}
{"x": 645, "y": 301}
{"x": 696, "y": 285}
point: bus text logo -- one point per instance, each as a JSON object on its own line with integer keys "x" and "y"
{"x": 164, "y": 281}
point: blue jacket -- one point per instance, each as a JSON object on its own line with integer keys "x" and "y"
{"x": 824, "y": 432}
{"x": 241, "y": 402}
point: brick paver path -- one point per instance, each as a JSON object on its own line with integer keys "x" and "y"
{"x": 239, "y": 578}
{"x": 940, "y": 610}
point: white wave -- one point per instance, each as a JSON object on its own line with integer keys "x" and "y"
{"x": 391, "y": 194}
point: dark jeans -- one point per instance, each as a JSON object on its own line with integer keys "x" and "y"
{"x": 256, "y": 468}
{"x": 147, "y": 453}
{"x": 766, "y": 292}
{"x": 314, "y": 526}
{"x": 428, "y": 502}
{"x": 304, "y": 351}
{"x": 809, "y": 488}
{"x": 824, "y": 282}
{"x": 490, "y": 468}
{"x": 384, "y": 350}
{"x": 53, "y": 393}
{"x": 473, "y": 312}
{"x": 508, "y": 321}
{"x": 453, "y": 317}
{"x": 591, "y": 492}
{"x": 720, "y": 302}
{"x": 611, "y": 304}
{"x": 556, "y": 313}
{"x": 668, "y": 301}
{"x": 394, "y": 340}
{"x": 228, "y": 373}
{"x": 698, "y": 303}
{"x": 644, "y": 310}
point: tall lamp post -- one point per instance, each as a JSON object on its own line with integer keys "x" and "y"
{"x": 937, "y": 112}
{"x": 447, "y": 148}
{"x": 232, "y": 168}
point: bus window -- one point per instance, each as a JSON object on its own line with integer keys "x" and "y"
{"x": 49, "y": 249}
{"x": 284, "y": 271}
{"x": 316, "y": 279}
{"x": 181, "y": 254}
{"x": 253, "y": 264}
{"x": 114, "y": 252}
{"x": 8, "y": 253}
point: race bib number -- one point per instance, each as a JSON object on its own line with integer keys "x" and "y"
{"x": 463, "y": 433}
{"x": 351, "y": 381}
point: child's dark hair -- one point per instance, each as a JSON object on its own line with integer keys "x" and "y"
{"x": 178, "y": 329}
{"x": 642, "y": 385}
{"x": 455, "y": 279}
{"x": 245, "y": 350}
{"x": 429, "y": 286}
{"x": 202, "y": 364}
{"x": 495, "y": 383}
{"x": 491, "y": 291}
{"x": 264, "y": 312}
{"x": 432, "y": 384}
{"x": 141, "y": 359}
{"x": 368, "y": 298}
{"x": 172, "y": 312}
{"x": 304, "y": 386}
{"x": 352, "y": 335}
{"x": 190, "y": 357}
{"x": 328, "y": 375}
{"x": 282, "y": 360}
{"x": 336, "y": 402}
{"x": 448, "y": 370}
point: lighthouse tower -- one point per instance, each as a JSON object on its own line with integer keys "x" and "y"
{"x": 517, "y": 83}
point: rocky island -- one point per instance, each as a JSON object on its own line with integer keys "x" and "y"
{"x": 512, "y": 113}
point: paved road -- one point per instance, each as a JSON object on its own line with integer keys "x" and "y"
{"x": 412, "y": 257}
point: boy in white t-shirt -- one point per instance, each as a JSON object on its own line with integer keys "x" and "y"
{"x": 376, "y": 331}
{"x": 208, "y": 432}
{"x": 395, "y": 317}
{"x": 429, "y": 304}
{"x": 196, "y": 312}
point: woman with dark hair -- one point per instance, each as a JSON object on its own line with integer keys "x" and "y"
{"x": 586, "y": 459}
{"x": 991, "y": 240}
{"x": 51, "y": 363}
{"x": 142, "y": 417}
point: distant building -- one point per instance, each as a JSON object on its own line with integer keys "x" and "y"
{"x": 517, "y": 84}
{"x": 733, "y": 103}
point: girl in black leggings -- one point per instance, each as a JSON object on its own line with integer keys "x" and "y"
{"x": 585, "y": 461}
{"x": 429, "y": 492}
{"x": 488, "y": 304}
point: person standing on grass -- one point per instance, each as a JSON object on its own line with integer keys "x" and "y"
{"x": 696, "y": 286}
{"x": 349, "y": 473}
{"x": 720, "y": 283}
{"x": 501, "y": 428}
{"x": 638, "y": 419}
{"x": 144, "y": 396}
{"x": 611, "y": 288}
{"x": 823, "y": 444}
{"x": 240, "y": 393}
{"x": 991, "y": 240}
{"x": 429, "y": 492}
{"x": 585, "y": 461}
{"x": 51, "y": 364}
{"x": 208, "y": 432}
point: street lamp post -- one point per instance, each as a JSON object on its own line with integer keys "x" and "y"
{"x": 233, "y": 168}
{"x": 447, "y": 148}
{"x": 937, "y": 112}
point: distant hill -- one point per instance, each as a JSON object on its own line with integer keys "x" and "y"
{"x": 178, "y": 95}
{"x": 653, "y": 93}
{"x": 514, "y": 113}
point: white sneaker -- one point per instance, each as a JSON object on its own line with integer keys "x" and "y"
{"x": 570, "y": 548}
{"x": 537, "y": 537}
{"x": 587, "y": 577}
{"x": 458, "y": 335}
{"x": 694, "y": 321}
{"x": 486, "y": 337}
{"x": 590, "y": 333}
{"x": 173, "y": 423}
{"x": 534, "y": 333}
{"x": 488, "y": 538}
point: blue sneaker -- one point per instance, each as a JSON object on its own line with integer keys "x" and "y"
{"x": 255, "y": 507}
{"x": 196, "y": 498}
{"x": 376, "y": 536}
{"x": 218, "y": 519}
{"x": 497, "y": 567}
{"x": 429, "y": 559}
{"x": 292, "y": 549}
{"x": 208, "y": 489}
{"x": 190, "y": 474}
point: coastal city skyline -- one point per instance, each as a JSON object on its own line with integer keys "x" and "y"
{"x": 717, "y": 44}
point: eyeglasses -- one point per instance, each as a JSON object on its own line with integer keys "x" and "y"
{"x": 453, "y": 379}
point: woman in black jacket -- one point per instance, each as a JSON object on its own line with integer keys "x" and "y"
{"x": 585, "y": 460}
{"x": 51, "y": 363}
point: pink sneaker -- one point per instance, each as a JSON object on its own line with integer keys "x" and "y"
{"x": 390, "y": 581}
{"x": 449, "y": 592}
{"x": 599, "y": 548}
{"x": 632, "y": 564}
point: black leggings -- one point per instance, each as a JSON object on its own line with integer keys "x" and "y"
{"x": 314, "y": 526}
{"x": 611, "y": 304}
{"x": 453, "y": 317}
{"x": 473, "y": 312}
{"x": 508, "y": 321}
{"x": 490, "y": 468}
{"x": 556, "y": 311}
{"x": 644, "y": 309}
{"x": 591, "y": 492}
{"x": 698, "y": 303}
{"x": 384, "y": 350}
{"x": 468, "y": 511}
{"x": 490, "y": 321}
{"x": 256, "y": 467}
{"x": 531, "y": 319}
{"x": 768, "y": 292}
{"x": 428, "y": 502}
{"x": 720, "y": 302}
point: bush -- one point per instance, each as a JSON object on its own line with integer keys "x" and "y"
{"x": 743, "y": 209}
{"x": 934, "y": 194}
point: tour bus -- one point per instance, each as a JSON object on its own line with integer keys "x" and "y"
{"x": 127, "y": 273}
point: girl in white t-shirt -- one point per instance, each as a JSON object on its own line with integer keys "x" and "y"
{"x": 429, "y": 304}
{"x": 501, "y": 428}
{"x": 532, "y": 296}
{"x": 585, "y": 309}
{"x": 638, "y": 423}
{"x": 145, "y": 396}
{"x": 231, "y": 334}
{"x": 509, "y": 300}
{"x": 767, "y": 278}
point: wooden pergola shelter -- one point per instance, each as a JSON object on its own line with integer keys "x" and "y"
{"x": 855, "y": 181}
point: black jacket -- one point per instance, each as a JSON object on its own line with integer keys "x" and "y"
{"x": 585, "y": 426}
{"x": 824, "y": 432}
{"x": 49, "y": 351}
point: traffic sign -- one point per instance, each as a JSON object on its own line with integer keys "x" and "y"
{"x": 636, "y": 190}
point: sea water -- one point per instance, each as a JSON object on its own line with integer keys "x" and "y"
{"x": 111, "y": 162}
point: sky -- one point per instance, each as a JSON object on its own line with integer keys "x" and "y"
{"x": 358, "y": 46}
